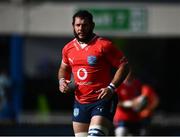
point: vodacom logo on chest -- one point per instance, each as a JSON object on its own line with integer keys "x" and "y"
{"x": 82, "y": 73}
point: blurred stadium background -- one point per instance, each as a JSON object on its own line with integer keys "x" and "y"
{"x": 33, "y": 32}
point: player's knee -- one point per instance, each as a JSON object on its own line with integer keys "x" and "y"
{"x": 97, "y": 130}
{"x": 120, "y": 131}
{"x": 81, "y": 134}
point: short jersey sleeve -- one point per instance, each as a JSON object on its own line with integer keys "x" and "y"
{"x": 113, "y": 54}
{"x": 65, "y": 56}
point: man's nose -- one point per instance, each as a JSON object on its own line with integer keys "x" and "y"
{"x": 80, "y": 27}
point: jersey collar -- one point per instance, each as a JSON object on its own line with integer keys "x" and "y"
{"x": 81, "y": 45}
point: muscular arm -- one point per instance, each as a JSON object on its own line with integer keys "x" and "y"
{"x": 64, "y": 72}
{"x": 119, "y": 77}
{"x": 121, "y": 74}
{"x": 64, "y": 75}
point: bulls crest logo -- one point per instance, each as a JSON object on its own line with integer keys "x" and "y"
{"x": 92, "y": 60}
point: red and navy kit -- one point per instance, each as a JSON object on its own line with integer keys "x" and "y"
{"x": 128, "y": 92}
{"x": 91, "y": 66}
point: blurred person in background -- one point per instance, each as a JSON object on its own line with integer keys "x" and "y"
{"x": 90, "y": 59}
{"x": 5, "y": 86}
{"x": 137, "y": 102}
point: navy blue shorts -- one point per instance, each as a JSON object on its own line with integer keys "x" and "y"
{"x": 84, "y": 112}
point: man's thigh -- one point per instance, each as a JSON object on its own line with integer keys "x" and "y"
{"x": 80, "y": 128}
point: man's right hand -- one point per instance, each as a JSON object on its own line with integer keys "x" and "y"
{"x": 64, "y": 85}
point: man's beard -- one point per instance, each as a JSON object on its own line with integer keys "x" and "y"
{"x": 86, "y": 39}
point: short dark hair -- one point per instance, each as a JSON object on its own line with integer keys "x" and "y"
{"x": 84, "y": 14}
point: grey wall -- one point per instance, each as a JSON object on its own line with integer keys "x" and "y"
{"x": 53, "y": 19}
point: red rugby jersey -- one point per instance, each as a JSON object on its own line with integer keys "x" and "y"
{"x": 130, "y": 91}
{"x": 91, "y": 66}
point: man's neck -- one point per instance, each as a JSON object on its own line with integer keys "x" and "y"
{"x": 87, "y": 40}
